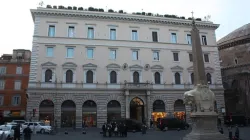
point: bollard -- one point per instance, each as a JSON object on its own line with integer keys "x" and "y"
{"x": 66, "y": 132}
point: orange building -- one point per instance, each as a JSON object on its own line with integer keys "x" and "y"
{"x": 14, "y": 78}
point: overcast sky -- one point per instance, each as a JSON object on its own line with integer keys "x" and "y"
{"x": 17, "y": 25}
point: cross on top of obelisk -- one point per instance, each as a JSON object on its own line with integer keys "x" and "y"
{"x": 192, "y": 15}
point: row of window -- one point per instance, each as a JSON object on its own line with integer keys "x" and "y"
{"x": 113, "y": 34}
{"x": 113, "y": 54}
{"x": 16, "y": 100}
{"x": 113, "y": 77}
{"x": 17, "y": 86}
{"x": 3, "y": 70}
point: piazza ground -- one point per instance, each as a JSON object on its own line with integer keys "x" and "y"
{"x": 94, "y": 134}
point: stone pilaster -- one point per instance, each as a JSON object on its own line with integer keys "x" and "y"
{"x": 101, "y": 114}
{"x": 78, "y": 116}
{"x": 148, "y": 108}
{"x": 57, "y": 114}
{"x": 127, "y": 103}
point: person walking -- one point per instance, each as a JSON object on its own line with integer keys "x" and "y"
{"x": 237, "y": 133}
{"x": 104, "y": 129}
{"x": 27, "y": 133}
{"x": 17, "y": 132}
{"x": 230, "y": 133}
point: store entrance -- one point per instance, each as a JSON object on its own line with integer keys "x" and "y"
{"x": 137, "y": 109}
{"x": 68, "y": 116}
{"x": 179, "y": 110}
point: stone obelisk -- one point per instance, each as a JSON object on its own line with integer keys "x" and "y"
{"x": 201, "y": 98}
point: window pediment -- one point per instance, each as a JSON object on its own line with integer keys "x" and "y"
{"x": 69, "y": 65}
{"x": 157, "y": 67}
{"x": 89, "y": 66}
{"x": 136, "y": 67}
{"x": 177, "y": 68}
{"x": 207, "y": 69}
{"x": 113, "y": 66}
{"x": 48, "y": 65}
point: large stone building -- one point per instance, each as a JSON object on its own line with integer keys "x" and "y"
{"x": 234, "y": 50}
{"x": 14, "y": 78}
{"x": 97, "y": 66}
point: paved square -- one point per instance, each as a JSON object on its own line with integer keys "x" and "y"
{"x": 151, "y": 135}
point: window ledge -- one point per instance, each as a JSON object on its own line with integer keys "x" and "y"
{"x": 156, "y": 60}
{"x": 69, "y": 57}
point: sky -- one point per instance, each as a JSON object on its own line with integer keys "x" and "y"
{"x": 17, "y": 25}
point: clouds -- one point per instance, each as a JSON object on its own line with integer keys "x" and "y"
{"x": 17, "y": 28}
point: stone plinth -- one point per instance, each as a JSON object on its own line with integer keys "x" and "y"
{"x": 204, "y": 127}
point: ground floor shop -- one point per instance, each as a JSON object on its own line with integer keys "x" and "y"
{"x": 72, "y": 110}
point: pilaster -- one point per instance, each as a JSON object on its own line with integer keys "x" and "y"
{"x": 127, "y": 104}
{"x": 78, "y": 116}
{"x": 148, "y": 117}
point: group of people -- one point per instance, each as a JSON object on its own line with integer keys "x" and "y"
{"x": 113, "y": 129}
{"x": 236, "y": 134}
{"x": 17, "y": 135}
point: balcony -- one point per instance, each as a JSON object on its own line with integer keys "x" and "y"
{"x": 121, "y": 86}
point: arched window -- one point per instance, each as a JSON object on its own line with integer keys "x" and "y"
{"x": 69, "y": 76}
{"x": 90, "y": 77}
{"x": 48, "y": 75}
{"x": 157, "y": 76}
{"x": 192, "y": 78}
{"x": 177, "y": 78}
{"x": 136, "y": 77}
{"x": 113, "y": 77}
{"x": 209, "y": 78}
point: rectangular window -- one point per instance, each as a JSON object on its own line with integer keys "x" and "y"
{"x": 2, "y": 84}
{"x": 134, "y": 35}
{"x": 135, "y": 55}
{"x": 17, "y": 85}
{"x": 173, "y": 38}
{"x": 154, "y": 36}
{"x": 70, "y": 52}
{"x": 156, "y": 55}
{"x": 204, "y": 40}
{"x": 90, "y": 32}
{"x": 2, "y": 70}
{"x": 191, "y": 57}
{"x": 113, "y": 34}
{"x": 112, "y": 54}
{"x": 206, "y": 57}
{"x": 52, "y": 30}
{"x": 19, "y": 70}
{"x": 50, "y": 51}
{"x": 1, "y": 100}
{"x": 16, "y": 100}
{"x": 90, "y": 53}
{"x": 189, "y": 39}
{"x": 71, "y": 31}
{"x": 176, "y": 56}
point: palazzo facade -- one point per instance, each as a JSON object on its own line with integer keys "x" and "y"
{"x": 98, "y": 66}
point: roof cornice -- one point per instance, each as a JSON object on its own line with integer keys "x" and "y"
{"x": 119, "y": 17}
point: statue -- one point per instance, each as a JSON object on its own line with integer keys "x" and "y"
{"x": 201, "y": 99}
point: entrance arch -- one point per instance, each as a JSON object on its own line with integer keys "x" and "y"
{"x": 180, "y": 110}
{"x": 89, "y": 113}
{"x": 46, "y": 111}
{"x": 68, "y": 113}
{"x": 113, "y": 110}
{"x": 159, "y": 110}
{"x": 137, "y": 109}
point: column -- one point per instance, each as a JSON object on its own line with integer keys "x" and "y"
{"x": 127, "y": 104}
{"x": 78, "y": 119}
{"x": 148, "y": 108}
{"x": 57, "y": 114}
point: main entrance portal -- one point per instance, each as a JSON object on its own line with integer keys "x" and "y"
{"x": 137, "y": 109}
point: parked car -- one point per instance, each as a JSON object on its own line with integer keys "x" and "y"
{"x": 19, "y": 121}
{"x": 172, "y": 123}
{"x": 15, "y": 125}
{"x": 8, "y": 130}
{"x": 130, "y": 123}
{"x": 38, "y": 127}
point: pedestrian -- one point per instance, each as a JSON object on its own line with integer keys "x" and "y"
{"x": 230, "y": 133}
{"x": 237, "y": 133}
{"x": 3, "y": 136}
{"x": 27, "y": 133}
{"x": 17, "y": 132}
{"x": 151, "y": 123}
{"x": 110, "y": 130}
{"x": 104, "y": 128}
{"x": 125, "y": 130}
{"x": 116, "y": 130}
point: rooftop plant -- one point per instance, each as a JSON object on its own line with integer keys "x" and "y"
{"x": 69, "y": 8}
{"x": 80, "y": 8}
{"x": 54, "y": 7}
{"x": 48, "y": 6}
{"x": 74, "y": 8}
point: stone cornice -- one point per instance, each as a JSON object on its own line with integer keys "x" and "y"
{"x": 234, "y": 42}
{"x": 118, "y": 17}
{"x": 235, "y": 66}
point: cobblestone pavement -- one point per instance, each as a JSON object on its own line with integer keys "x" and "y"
{"x": 94, "y": 134}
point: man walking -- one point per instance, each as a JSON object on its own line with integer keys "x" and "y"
{"x": 27, "y": 133}
{"x": 17, "y": 132}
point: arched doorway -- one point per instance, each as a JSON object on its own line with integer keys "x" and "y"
{"x": 113, "y": 110}
{"x": 89, "y": 113}
{"x": 158, "y": 110}
{"x": 137, "y": 109}
{"x": 68, "y": 114}
{"x": 46, "y": 112}
{"x": 179, "y": 110}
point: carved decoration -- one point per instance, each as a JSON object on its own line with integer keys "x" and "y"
{"x": 147, "y": 67}
{"x": 125, "y": 66}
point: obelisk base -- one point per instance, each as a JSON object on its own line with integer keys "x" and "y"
{"x": 204, "y": 127}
